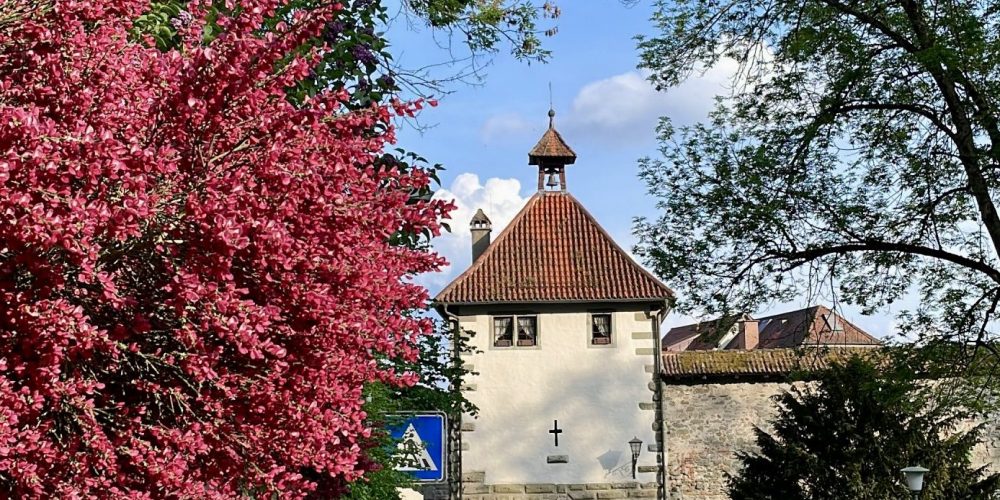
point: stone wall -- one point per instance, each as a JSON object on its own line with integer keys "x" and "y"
{"x": 474, "y": 488}
{"x": 706, "y": 424}
{"x": 988, "y": 451}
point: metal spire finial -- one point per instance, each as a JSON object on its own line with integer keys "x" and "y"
{"x": 552, "y": 111}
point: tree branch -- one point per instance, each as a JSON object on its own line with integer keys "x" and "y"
{"x": 912, "y": 108}
{"x": 873, "y": 22}
{"x": 885, "y": 246}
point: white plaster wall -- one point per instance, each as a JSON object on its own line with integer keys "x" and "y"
{"x": 408, "y": 494}
{"x": 593, "y": 391}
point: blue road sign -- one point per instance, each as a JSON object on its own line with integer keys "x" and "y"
{"x": 421, "y": 446}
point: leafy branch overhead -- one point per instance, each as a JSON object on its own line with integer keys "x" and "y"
{"x": 489, "y": 25}
{"x": 358, "y": 53}
{"x": 857, "y": 155}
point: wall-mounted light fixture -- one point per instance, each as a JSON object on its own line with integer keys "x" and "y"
{"x": 636, "y": 445}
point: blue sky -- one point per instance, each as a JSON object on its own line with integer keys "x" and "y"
{"x": 605, "y": 110}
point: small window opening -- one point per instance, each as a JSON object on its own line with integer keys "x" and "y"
{"x": 503, "y": 331}
{"x": 521, "y": 331}
{"x": 600, "y": 329}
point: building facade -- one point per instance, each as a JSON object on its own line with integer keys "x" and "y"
{"x": 566, "y": 330}
{"x": 578, "y": 396}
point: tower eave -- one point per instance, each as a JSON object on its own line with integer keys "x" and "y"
{"x": 551, "y": 160}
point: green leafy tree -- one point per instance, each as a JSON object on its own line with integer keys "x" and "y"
{"x": 858, "y": 153}
{"x": 440, "y": 372}
{"x": 848, "y": 436}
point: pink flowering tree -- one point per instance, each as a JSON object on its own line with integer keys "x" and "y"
{"x": 197, "y": 277}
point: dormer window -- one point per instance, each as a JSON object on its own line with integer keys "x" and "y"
{"x": 600, "y": 329}
{"x": 515, "y": 330}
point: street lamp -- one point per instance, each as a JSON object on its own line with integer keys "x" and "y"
{"x": 636, "y": 445}
{"x": 914, "y": 477}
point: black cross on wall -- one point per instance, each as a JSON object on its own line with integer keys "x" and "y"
{"x": 556, "y": 431}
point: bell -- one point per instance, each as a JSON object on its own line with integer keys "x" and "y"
{"x": 552, "y": 183}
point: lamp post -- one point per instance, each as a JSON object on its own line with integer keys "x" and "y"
{"x": 914, "y": 477}
{"x": 636, "y": 445}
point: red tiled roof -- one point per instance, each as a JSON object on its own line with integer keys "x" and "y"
{"x": 553, "y": 251}
{"x": 811, "y": 326}
{"x": 766, "y": 362}
{"x": 551, "y": 147}
{"x": 803, "y": 327}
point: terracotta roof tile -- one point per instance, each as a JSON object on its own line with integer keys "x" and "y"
{"x": 551, "y": 147}
{"x": 765, "y": 362}
{"x": 553, "y": 251}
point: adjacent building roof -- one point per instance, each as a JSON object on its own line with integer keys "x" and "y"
{"x": 765, "y": 363}
{"x": 553, "y": 251}
{"x": 812, "y": 326}
{"x": 816, "y": 325}
{"x": 701, "y": 336}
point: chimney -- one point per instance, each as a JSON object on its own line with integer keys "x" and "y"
{"x": 481, "y": 227}
{"x": 749, "y": 336}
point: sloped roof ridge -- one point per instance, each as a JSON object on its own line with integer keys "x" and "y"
{"x": 713, "y": 321}
{"x": 517, "y": 220}
{"x": 619, "y": 249}
{"x": 804, "y": 321}
{"x": 821, "y": 309}
{"x": 492, "y": 247}
{"x": 759, "y": 362}
{"x": 811, "y": 313}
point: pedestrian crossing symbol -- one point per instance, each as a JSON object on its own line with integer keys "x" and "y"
{"x": 420, "y": 446}
{"x": 412, "y": 452}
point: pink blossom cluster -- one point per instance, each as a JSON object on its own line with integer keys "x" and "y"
{"x": 196, "y": 277}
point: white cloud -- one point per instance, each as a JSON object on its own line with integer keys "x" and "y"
{"x": 499, "y": 198}
{"x": 625, "y": 108}
{"x": 616, "y": 102}
{"x": 504, "y": 125}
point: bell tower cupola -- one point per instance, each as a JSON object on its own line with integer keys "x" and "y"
{"x": 551, "y": 155}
